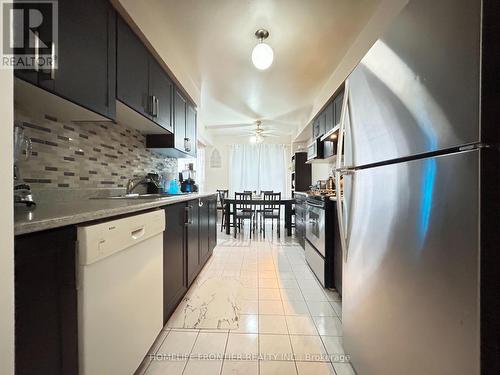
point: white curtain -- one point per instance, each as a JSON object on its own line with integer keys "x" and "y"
{"x": 257, "y": 167}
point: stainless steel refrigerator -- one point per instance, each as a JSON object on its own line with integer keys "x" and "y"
{"x": 420, "y": 171}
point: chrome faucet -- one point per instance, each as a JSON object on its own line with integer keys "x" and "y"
{"x": 136, "y": 181}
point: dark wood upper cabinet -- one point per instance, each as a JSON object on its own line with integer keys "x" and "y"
{"x": 182, "y": 143}
{"x": 86, "y": 56}
{"x": 329, "y": 124}
{"x": 319, "y": 125}
{"x": 132, "y": 81}
{"x": 160, "y": 91}
{"x": 316, "y": 128}
{"x": 322, "y": 123}
{"x": 180, "y": 105}
{"x": 337, "y": 108}
{"x": 329, "y": 117}
{"x": 191, "y": 130}
{"x": 142, "y": 83}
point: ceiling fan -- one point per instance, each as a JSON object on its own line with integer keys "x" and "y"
{"x": 258, "y": 134}
{"x": 248, "y": 124}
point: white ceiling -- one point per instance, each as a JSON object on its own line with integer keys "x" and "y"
{"x": 211, "y": 42}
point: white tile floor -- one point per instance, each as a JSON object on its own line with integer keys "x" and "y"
{"x": 255, "y": 308}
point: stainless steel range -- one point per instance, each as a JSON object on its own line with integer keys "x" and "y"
{"x": 322, "y": 240}
{"x": 315, "y": 224}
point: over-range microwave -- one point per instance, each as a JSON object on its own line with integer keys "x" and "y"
{"x": 315, "y": 150}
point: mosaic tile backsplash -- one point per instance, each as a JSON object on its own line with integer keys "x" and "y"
{"x": 86, "y": 154}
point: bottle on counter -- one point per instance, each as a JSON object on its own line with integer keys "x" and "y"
{"x": 173, "y": 187}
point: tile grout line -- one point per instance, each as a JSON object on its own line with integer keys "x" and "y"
{"x": 156, "y": 351}
{"x": 224, "y": 354}
{"x": 190, "y": 351}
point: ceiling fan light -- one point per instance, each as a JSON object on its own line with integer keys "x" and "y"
{"x": 262, "y": 56}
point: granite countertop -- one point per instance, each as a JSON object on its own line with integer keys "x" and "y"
{"x": 48, "y": 215}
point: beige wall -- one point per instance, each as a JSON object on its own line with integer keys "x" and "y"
{"x": 6, "y": 229}
{"x": 320, "y": 172}
{"x": 217, "y": 178}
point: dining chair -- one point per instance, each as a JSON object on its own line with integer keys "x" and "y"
{"x": 259, "y": 210}
{"x": 272, "y": 210}
{"x": 244, "y": 211}
{"x": 221, "y": 196}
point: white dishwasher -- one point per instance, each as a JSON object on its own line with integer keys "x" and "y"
{"x": 120, "y": 292}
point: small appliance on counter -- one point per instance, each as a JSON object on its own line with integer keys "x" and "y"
{"x": 187, "y": 179}
{"x": 153, "y": 183}
{"x": 330, "y": 183}
{"x": 22, "y": 151}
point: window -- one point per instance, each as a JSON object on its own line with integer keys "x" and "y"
{"x": 258, "y": 167}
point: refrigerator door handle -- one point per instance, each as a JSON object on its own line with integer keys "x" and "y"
{"x": 341, "y": 170}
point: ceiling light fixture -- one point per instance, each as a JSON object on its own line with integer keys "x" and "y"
{"x": 262, "y": 54}
{"x": 257, "y": 138}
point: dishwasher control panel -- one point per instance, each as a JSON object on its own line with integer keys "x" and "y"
{"x": 99, "y": 241}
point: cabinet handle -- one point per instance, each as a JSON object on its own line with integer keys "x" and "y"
{"x": 45, "y": 74}
{"x": 157, "y": 110}
{"x": 187, "y": 145}
{"x": 189, "y": 220}
{"x": 149, "y": 108}
{"x": 53, "y": 57}
{"x": 37, "y": 50}
{"x": 200, "y": 203}
{"x": 154, "y": 110}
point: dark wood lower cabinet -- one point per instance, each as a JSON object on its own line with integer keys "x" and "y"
{"x": 202, "y": 236}
{"x": 174, "y": 258}
{"x": 192, "y": 241}
{"x": 212, "y": 223}
{"x": 300, "y": 219}
{"x": 46, "y": 329}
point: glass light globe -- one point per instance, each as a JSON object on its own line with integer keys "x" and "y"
{"x": 262, "y": 56}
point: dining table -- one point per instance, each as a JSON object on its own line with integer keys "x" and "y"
{"x": 231, "y": 202}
